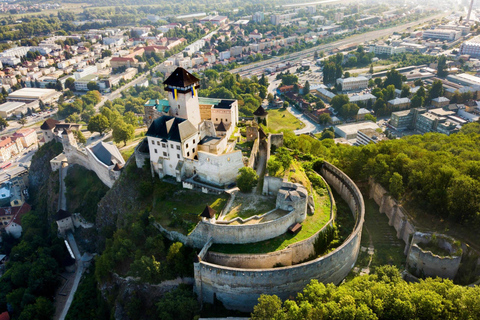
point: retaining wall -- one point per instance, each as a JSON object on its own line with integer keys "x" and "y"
{"x": 240, "y": 288}
{"x": 397, "y": 215}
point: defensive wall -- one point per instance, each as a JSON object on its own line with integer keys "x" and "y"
{"x": 293, "y": 254}
{"x": 425, "y": 262}
{"x": 240, "y": 288}
{"x": 397, "y": 215}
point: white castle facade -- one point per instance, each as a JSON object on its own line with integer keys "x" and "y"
{"x": 188, "y": 136}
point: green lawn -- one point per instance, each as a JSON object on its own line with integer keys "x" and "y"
{"x": 311, "y": 225}
{"x": 297, "y": 174}
{"x": 281, "y": 119}
{"x": 179, "y": 209}
{"x": 247, "y": 205}
{"x": 126, "y": 153}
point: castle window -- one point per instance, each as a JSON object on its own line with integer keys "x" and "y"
{"x": 178, "y": 156}
{"x": 171, "y": 145}
{"x": 165, "y": 154}
{"x": 194, "y": 141}
{"x": 226, "y": 120}
{"x": 153, "y": 142}
{"x": 158, "y": 143}
{"x": 193, "y": 150}
{"x": 186, "y": 145}
{"x": 188, "y": 154}
{"x": 216, "y": 119}
{"x": 156, "y": 151}
{"x": 164, "y": 145}
{"x": 178, "y": 147}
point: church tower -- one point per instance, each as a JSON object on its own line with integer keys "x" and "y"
{"x": 181, "y": 87}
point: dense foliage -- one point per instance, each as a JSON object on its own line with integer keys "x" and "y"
{"x": 439, "y": 174}
{"x": 381, "y": 296}
{"x": 249, "y": 92}
{"x": 36, "y": 260}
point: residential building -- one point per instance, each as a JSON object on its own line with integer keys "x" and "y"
{"x": 440, "y": 102}
{"x": 281, "y": 18}
{"x": 399, "y": 103}
{"x": 34, "y": 94}
{"x": 367, "y": 99}
{"x": 402, "y": 120}
{"x": 27, "y": 136}
{"x": 8, "y": 148}
{"x": 258, "y": 17}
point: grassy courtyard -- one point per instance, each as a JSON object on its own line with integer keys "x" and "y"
{"x": 247, "y": 205}
{"x": 311, "y": 225}
{"x": 281, "y": 119}
{"x": 179, "y": 209}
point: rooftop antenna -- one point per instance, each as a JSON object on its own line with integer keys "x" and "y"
{"x": 469, "y": 12}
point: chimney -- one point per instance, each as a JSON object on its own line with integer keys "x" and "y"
{"x": 469, "y": 12}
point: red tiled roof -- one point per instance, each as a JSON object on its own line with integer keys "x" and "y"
{"x": 5, "y": 142}
{"x": 18, "y": 212}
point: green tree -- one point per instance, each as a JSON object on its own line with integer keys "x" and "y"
{"x": 285, "y": 104}
{"x": 405, "y": 91}
{"x": 130, "y": 118}
{"x": 247, "y": 179}
{"x": 270, "y": 98}
{"x": 70, "y": 84}
{"x": 273, "y": 166}
{"x": 3, "y": 123}
{"x": 178, "y": 304}
{"x": 306, "y": 88}
{"x": 436, "y": 90}
{"x": 79, "y": 136}
{"x": 123, "y": 132}
{"x": 442, "y": 71}
{"x": 92, "y": 85}
{"x": 324, "y": 118}
{"x": 268, "y": 307}
{"x": 396, "y": 185}
{"x": 370, "y": 117}
{"x": 371, "y": 69}
{"x": 416, "y": 102}
{"x": 283, "y": 156}
{"x": 98, "y": 123}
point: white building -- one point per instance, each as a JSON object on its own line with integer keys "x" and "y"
{"x": 366, "y": 136}
{"x": 80, "y": 73}
{"x": 224, "y": 55}
{"x": 9, "y": 108}
{"x": 353, "y": 83}
{"x": 349, "y": 131}
{"x": 442, "y": 34}
{"x": 188, "y": 135}
{"x": 386, "y": 49}
{"x": 471, "y": 47}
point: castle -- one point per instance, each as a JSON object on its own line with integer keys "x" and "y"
{"x": 188, "y": 136}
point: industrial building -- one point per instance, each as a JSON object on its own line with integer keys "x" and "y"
{"x": 34, "y": 94}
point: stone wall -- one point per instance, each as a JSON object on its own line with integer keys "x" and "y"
{"x": 426, "y": 263}
{"x": 293, "y": 254}
{"x": 240, "y": 288}
{"x": 218, "y": 169}
{"x": 271, "y": 185}
{"x": 254, "y": 154}
{"x": 397, "y": 215}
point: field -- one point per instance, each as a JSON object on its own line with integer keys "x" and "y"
{"x": 281, "y": 119}
{"x": 179, "y": 209}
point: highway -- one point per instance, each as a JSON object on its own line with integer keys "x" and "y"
{"x": 259, "y": 67}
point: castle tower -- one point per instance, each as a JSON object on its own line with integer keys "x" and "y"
{"x": 182, "y": 87}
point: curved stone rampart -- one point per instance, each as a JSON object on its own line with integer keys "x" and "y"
{"x": 240, "y": 288}
{"x": 293, "y": 254}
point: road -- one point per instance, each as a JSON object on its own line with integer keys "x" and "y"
{"x": 259, "y": 67}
